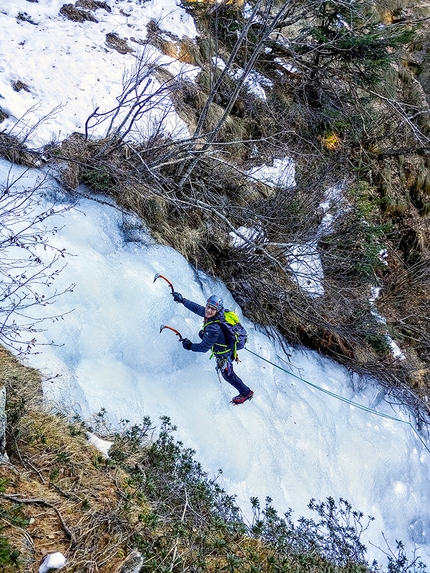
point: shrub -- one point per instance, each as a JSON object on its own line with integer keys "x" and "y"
{"x": 13, "y": 516}
{"x": 99, "y": 180}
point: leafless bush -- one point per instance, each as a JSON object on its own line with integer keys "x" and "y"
{"x": 28, "y": 262}
{"x": 142, "y": 96}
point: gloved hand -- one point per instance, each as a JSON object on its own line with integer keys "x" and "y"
{"x": 177, "y": 297}
{"x": 186, "y": 344}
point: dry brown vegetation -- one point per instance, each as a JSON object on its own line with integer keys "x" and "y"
{"x": 71, "y": 499}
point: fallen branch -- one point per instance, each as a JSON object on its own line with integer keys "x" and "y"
{"x": 35, "y": 500}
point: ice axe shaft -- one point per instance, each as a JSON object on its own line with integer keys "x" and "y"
{"x": 163, "y": 326}
{"x": 158, "y": 276}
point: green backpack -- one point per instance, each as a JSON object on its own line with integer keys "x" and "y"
{"x": 235, "y": 333}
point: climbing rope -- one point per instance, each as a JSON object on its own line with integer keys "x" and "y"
{"x": 342, "y": 399}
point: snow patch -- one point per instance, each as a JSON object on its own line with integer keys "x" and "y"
{"x": 254, "y": 82}
{"x": 281, "y": 174}
{"x": 305, "y": 264}
{"x": 286, "y": 65}
{"x": 395, "y": 349}
{"x": 52, "y": 561}
{"x": 304, "y": 260}
{"x": 238, "y": 237}
{"x": 102, "y": 445}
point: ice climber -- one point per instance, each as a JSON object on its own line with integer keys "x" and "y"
{"x": 214, "y": 338}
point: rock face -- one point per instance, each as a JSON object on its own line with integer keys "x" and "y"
{"x": 3, "y": 455}
{"x": 76, "y": 15}
{"x": 131, "y": 564}
{"x": 114, "y": 42}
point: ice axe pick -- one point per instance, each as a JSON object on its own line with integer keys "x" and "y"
{"x": 163, "y": 326}
{"x": 158, "y": 276}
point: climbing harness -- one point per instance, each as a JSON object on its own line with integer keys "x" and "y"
{"x": 334, "y": 395}
{"x": 235, "y": 334}
{"x": 221, "y": 363}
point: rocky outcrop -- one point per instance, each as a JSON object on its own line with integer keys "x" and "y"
{"x": 76, "y": 15}
{"x": 131, "y": 564}
{"x": 114, "y": 42}
{"x": 3, "y": 455}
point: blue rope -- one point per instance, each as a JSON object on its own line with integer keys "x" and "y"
{"x": 342, "y": 399}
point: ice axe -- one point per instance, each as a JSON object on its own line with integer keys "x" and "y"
{"x": 158, "y": 276}
{"x": 163, "y": 326}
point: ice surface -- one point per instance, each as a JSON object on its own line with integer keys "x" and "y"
{"x": 292, "y": 442}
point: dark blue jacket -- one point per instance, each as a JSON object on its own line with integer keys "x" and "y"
{"x": 213, "y": 335}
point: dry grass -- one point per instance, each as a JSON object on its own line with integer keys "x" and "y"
{"x": 15, "y": 376}
{"x": 75, "y": 501}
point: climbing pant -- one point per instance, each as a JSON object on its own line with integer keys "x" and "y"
{"x": 225, "y": 366}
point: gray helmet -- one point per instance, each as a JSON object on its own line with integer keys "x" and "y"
{"x": 215, "y": 302}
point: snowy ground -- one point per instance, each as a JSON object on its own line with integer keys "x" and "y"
{"x": 292, "y": 442}
{"x": 68, "y": 68}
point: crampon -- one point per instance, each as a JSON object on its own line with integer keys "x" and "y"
{"x": 241, "y": 399}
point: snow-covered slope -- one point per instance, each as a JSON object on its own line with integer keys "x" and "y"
{"x": 54, "y": 72}
{"x": 291, "y": 442}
